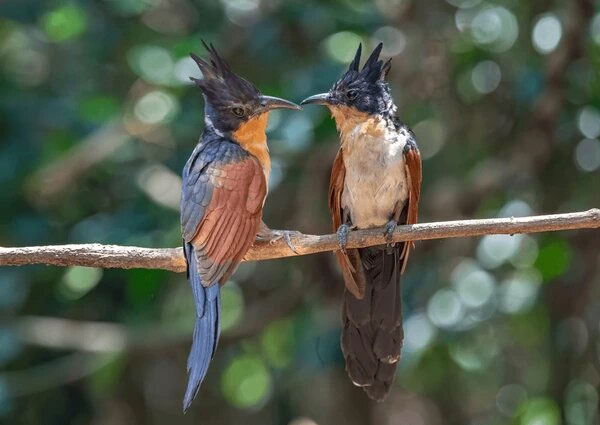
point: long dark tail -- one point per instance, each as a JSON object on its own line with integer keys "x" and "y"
{"x": 206, "y": 329}
{"x": 372, "y": 334}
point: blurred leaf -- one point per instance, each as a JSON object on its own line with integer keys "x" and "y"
{"x": 540, "y": 411}
{"x": 246, "y": 382}
{"x": 99, "y": 108}
{"x": 78, "y": 281}
{"x": 278, "y": 343}
{"x": 65, "y": 22}
{"x": 554, "y": 258}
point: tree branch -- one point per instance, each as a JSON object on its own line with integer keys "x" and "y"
{"x": 128, "y": 257}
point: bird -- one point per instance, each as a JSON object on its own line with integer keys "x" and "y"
{"x": 375, "y": 182}
{"x": 224, "y": 186}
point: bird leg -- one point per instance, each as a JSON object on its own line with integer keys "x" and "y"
{"x": 342, "y": 236}
{"x": 390, "y": 227}
{"x": 267, "y": 234}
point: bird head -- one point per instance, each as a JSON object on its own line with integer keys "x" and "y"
{"x": 360, "y": 90}
{"x": 232, "y": 102}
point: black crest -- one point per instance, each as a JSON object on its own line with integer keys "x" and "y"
{"x": 219, "y": 83}
{"x": 373, "y": 70}
{"x": 365, "y": 89}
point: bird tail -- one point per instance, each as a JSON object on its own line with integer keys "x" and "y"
{"x": 372, "y": 326}
{"x": 206, "y": 328}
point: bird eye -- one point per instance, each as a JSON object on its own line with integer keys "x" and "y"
{"x": 238, "y": 112}
{"x": 352, "y": 94}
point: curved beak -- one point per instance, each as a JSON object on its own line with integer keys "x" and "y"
{"x": 270, "y": 102}
{"x": 317, "y": 99}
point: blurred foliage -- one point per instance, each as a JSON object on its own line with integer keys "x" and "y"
{"x": 98, "y": 116}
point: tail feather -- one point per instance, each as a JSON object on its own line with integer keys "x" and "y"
{"x": 372, "y": 334}
{"x": 206, "y": 329}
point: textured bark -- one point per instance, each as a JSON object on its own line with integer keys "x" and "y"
{"x": 128, "y": 257}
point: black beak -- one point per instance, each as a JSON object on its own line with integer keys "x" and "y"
{"x": 268, "y": 103}
{"x": 318, "y": 99}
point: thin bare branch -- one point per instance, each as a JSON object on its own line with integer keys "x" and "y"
{"x": 127, "y": 257}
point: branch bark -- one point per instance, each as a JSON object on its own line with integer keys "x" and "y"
{"x": 128, "y": 257}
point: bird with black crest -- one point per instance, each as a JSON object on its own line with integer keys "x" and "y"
{"x": 375, "y": 182}
{"x": 225, "y": 183}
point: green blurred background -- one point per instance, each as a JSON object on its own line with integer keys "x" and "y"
{"x": 97, "y": 118}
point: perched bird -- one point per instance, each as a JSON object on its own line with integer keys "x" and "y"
{"x": 224, "y": 189}
{"x": 375, "y": 181}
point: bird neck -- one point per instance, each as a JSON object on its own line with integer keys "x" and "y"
{"x": 354, "y": 124}
{"x": 252, "y": 136}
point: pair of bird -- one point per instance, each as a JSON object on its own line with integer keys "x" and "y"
{"x": 375, "y": 181}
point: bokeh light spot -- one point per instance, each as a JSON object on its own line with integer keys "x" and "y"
{"x": 540, "y": 411}
{"x": 342, "y": 46}
{"x": 515, "y": 208}
{"x": 433, "y": 132}
{"x": 527, "y": 253}
{"x": 246, "y": 382}
{"x": 22, "y": 58}
{"x": 517, "y": 294}
{"x": 156, "y": 107}
{"x": 464, "y": 4}
{"x": 486, "y": 76}
{"x": 581, "y": 403}
{"x": 153, "y": 63}
{"x": 296, "y": 133}
{"x": 64, "y": 22}
{"x": 554, "y": 258}
{"x": 546, "y": 33}
{"x": 473, "y": 355}
{"x": 277, "y": 343}
{"x": 494, "y": 250}
{"x": 302, "y": 421}
{"x": 495, "y": 28}
{"x": 587, "y": 155}
{"x": 509, "y": 398}
{"x": 445, "y": 309}
{"x": 588, "y": 122}
{"x": 418, "y": 333}
{"x": 78, "y": 281}
{"x": 394, "y": 40}
{"x": 242, "y": 12}
{"x": 475, "y": 287}
{"x": 161, "y": 184}
{"x": 184, "y": 69}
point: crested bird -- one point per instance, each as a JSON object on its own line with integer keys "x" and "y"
{"x": 375, "y": 182}
{"x": 225, "y": 183}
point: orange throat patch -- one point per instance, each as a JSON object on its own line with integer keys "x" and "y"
{"x": 353, "y": 123}
{"x": 252, "y": 137}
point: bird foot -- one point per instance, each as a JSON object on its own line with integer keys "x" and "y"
{"x": 342, "y": 236}
{"x": 390, "y": 227}
{"x": 272, "y": 236}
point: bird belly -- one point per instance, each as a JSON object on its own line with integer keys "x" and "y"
{"x": 375, "y": 185}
